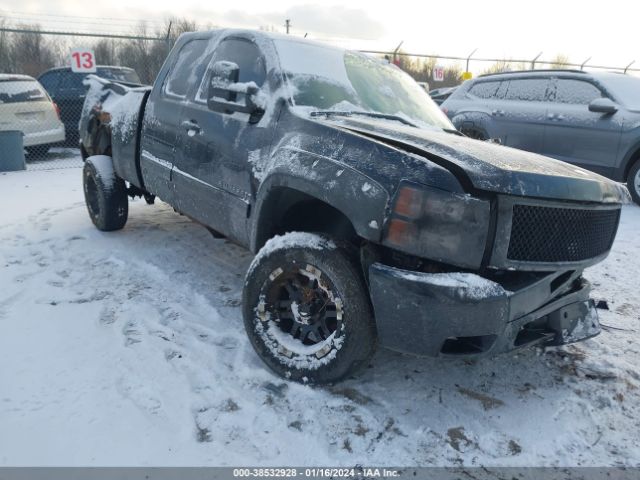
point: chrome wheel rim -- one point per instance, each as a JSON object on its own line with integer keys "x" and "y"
{"x": 300, "y": 314}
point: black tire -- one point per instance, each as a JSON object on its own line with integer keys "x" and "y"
{"x": 633, "y": 182}
{"x": 105, "y": 194}
{"x": 331, "y": 333}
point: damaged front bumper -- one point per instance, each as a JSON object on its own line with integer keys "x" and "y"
{"x": 464, "y": 314}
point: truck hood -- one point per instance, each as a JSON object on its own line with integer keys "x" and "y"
{"x": 491, "y": 167}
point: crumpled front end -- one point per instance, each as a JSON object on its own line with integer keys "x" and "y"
{"x": 465, "y": 314}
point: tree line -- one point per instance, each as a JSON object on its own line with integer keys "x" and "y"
{"x": 33, "y": 52}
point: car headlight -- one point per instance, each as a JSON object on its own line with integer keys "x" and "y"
{"x": 439, "y": 225}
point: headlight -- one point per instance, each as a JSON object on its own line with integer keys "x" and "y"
{"x": 439, "y": 225}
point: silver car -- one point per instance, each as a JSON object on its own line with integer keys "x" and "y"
{"x": 588, "y": 119}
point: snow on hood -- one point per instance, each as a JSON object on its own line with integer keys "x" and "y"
{"x": 495, "y": 168}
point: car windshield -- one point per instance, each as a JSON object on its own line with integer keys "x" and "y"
{"x": 16, "y": 91}
{"x": 121, "y": 74}
{"x": 330, "y": 79}
{"x": 626, "y": 89}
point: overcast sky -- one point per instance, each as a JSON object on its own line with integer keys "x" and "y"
{"x": 607, "y": 31}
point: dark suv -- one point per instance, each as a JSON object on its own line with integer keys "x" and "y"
{"x": 588, "y": 119}
{"x": 67, "y": 91}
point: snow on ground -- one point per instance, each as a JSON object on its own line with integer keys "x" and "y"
{"x": 127, "y": 348}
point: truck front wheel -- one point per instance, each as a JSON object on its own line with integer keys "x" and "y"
{"x": 105, "y": 194}
{"x": 307, "y": 310}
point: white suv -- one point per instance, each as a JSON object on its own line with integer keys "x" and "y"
{"x": 26, "y": 106}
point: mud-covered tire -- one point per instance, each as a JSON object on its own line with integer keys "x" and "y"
{"x": 633, "y": 182}
{"x": 105, "y": 194}
{"x": 333, "y": 270}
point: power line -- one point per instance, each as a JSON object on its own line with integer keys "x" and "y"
{"x": 80, "y": 17}
{"x": 82, "y": 34}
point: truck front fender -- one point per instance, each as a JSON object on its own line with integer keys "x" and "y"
{"x": 362, "y": 200}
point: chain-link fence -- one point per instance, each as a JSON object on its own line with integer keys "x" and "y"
{"x": 41, "y": 95}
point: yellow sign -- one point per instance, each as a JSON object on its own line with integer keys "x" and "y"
{"x": 467, "y": 75}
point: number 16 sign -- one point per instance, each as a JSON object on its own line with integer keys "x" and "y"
{"x": 83, "y": 60}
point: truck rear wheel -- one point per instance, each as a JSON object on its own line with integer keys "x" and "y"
{"x": 105, "y": 194}
{"x": 307, "y": 310}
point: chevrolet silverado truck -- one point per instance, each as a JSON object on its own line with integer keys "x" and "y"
{"x": 374, "y": 222}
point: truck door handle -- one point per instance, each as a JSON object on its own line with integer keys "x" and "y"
{"x": 555, "y": 116}
{"x": 191, "y": 126}
{"x": 498, "y": 113}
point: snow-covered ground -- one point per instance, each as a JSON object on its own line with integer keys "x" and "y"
{"x": 57, "y": 157}
{"x": 127, "y": 348}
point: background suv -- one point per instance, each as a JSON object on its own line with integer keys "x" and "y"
{"x": 26, "y": 107}
{"x": 588, "y": 119}
{"x": 67, "y": 90}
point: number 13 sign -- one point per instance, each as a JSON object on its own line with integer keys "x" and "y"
{"x": 83, "y": 60}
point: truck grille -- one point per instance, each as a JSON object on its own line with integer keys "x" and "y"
{"x": 552, "y": 234}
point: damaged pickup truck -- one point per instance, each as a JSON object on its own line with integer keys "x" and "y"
{"x": 373, "y": 220}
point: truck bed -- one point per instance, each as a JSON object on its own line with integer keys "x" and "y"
{"x": 111, "y": 119}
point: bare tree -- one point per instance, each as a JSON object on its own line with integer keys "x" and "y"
{"x": 421, "y": 69}
{"x": 106, "y": 52}
{"x": 560, "y": 61}
{"x": 31, "y": 52}
{"x": 7, "y": 64}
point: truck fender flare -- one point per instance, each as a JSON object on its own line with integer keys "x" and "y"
{"x": 363, "y": 201}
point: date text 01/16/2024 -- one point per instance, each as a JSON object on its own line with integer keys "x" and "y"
{"x": 355, "y": 472}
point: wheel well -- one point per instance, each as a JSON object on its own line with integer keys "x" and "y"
{"x": 290, "y": 210}
{"x": 635, "y": 156}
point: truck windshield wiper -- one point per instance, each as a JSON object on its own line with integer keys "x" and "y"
{"x": 341, "y": 113}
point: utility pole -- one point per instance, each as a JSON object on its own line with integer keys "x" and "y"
{"x": 287, "y": 25}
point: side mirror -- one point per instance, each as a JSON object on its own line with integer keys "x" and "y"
{"x": 223, "y": 90}
{"x": 603, "y": 105}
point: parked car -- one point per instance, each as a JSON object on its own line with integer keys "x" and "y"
{"x": 25, "y": 106}
{"x": 588, "y": 119}
{"x": 67, "y": 90}
{"x": 373, "y": 220}
{"x": 439, "y": 95}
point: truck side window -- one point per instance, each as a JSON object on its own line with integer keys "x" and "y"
{"x": 177, "y": 83}
{"x": 576, "y": 92}
{"x": 246, "y": 55}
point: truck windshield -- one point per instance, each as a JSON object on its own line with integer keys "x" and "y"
{"x": 327, "y": 78}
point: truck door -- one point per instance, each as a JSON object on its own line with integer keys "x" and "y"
{"x": 576, "y": 135}
{"x": 212, "y": 175}
{"x": 161, "y": 126}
